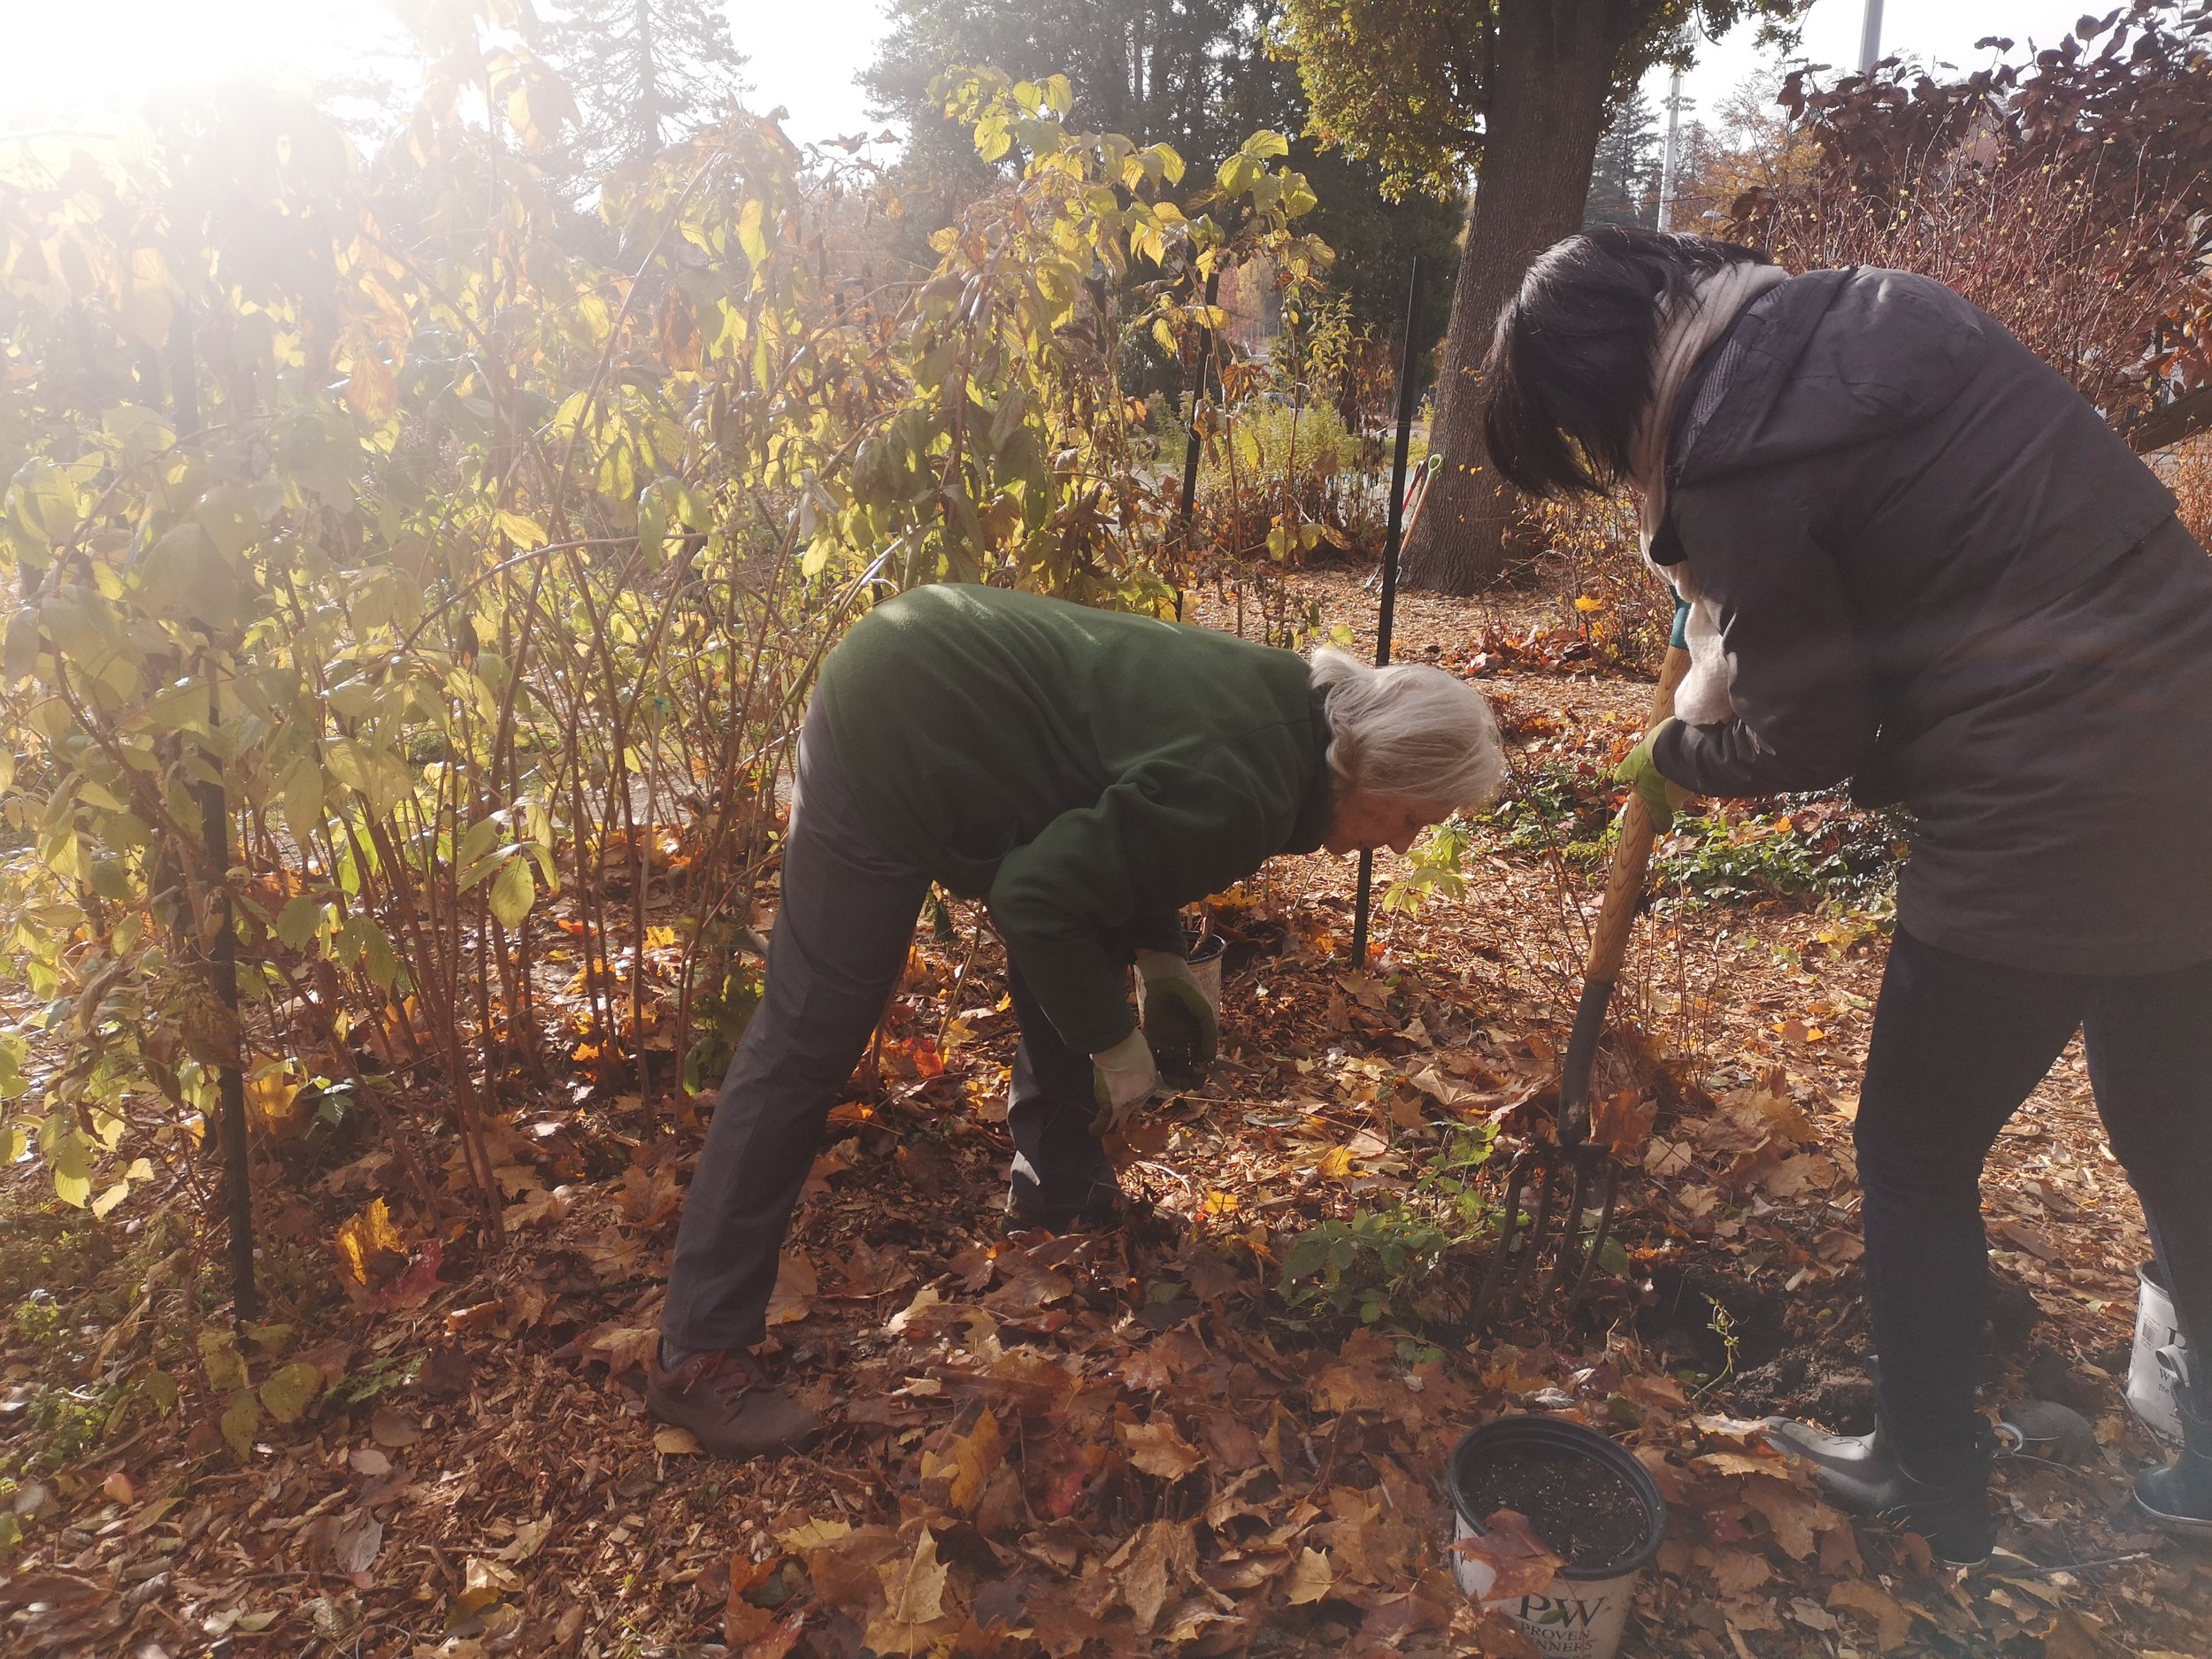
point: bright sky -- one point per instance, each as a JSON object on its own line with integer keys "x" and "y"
{"x": 108, "y": 55}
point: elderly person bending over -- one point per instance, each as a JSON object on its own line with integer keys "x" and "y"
{"x": 1088, "y": 774}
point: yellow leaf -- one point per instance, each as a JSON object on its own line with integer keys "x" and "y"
{"x": 675, "y": 1442}
{"x": 1336, "y": 1163}
{"x": 1311, "y": 1577}
{"x": 524, "y": 531}
{"x": 916, "y": 1589}
{"x": 970, "y": 1462}
{"x": 813, "y": 1535}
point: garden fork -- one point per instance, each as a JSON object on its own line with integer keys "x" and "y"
{"x": 1570, "y": 1172}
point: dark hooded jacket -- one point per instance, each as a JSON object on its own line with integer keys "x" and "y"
{"x": 1940, "y": 575}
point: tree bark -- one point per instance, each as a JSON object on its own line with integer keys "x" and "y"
{"x": 1554, "y": 67}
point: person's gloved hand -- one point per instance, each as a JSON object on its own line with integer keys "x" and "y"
{"x": 1179, "y": 1022}
{"x": 1122, "y": 1079}
{"x": 1661, "y": 795}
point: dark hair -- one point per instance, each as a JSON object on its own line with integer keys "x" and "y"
{"x": 1568, "y": 374}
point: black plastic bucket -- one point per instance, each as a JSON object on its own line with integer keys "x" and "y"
{"x": 1582, "y": 1613}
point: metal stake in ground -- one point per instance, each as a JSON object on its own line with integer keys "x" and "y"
{"x": 1391, "y": 540}
{"x": 222, "y": 951}
{"x": 1191, "y": 446}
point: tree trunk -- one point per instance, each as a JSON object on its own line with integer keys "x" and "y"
{"x": 1554, "y": 63}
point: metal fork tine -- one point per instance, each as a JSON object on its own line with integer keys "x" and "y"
{"x": 1569, "y": 1223}
{"x": 1508, "y": 1231}
{"x": 1609, "y": 1189}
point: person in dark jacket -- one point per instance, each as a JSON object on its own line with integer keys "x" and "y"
{"x": 1088, "y": 774}
{"x": 1910, "y": 554}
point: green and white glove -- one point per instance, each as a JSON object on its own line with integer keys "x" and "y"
{"x": 1122, "y": 1079}
{"x": 1179, "y": 1022}
{"x": 1661, "y": 795}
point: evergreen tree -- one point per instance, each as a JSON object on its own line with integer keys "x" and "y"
{"x": 644, "y": 75}
{"x": 1625, "y": 176}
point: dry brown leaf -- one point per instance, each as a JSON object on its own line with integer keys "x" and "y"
{"x": 1740, "y": 1463}
{"x": 2032, "y": 1240}
{"x": 393, "y": 1429}
{"x": 1160, "y": 1558}
{"x": 1513, "y": 1553}
{"x": 915, "y": 1600}
{"x": 671, "y": 1441}
{"x": 1892, "y": 1623}
{"x": 1157, "y": 1449}
{"x": 1738, "y": 1571}
{"x": 968, "y": 1462}
{"x": 1792, "y": 1514}
{"x": 1311, "y": 1578}
{"x": 792, "y": 1298}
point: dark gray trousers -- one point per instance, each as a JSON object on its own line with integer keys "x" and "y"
{"x": 835, "y": 957}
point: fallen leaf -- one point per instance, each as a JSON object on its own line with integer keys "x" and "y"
{"x": 1520, "y": 1564}
{"x": 355, "y": 1542}
{"x": 915, "y": 1588}
{"x": 1892, "y": 1623}
{"x": 1161, "y": 1558}
{"x": 1311, "y": 1578}
{"x": 119, "y": 1489}
{"x": 797, "y": 1285}
{"x": 671, "y": 1441}
{"x": 367, "y": 1459}
{"x": 1157, "y": 1449}
{"x": 968, "y": 1462}
{"x": 393, "y": 1429}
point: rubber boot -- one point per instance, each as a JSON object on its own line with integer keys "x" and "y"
{"x": 2178, "y": 1497}
{"x": 1861, "y": 1473}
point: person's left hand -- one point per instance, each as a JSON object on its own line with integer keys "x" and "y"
{"x": 1662, "y": 797}
{"x": 1179, "y": 1022}
{"x": 1122, "y": 1079}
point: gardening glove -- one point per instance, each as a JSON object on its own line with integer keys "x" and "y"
{"x": 1179, "y": 1022}
{"x": 1661, "y": 794}
{"x": 1122, "y": 1079}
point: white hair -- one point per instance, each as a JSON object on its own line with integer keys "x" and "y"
{"x": 1409, "y": 733}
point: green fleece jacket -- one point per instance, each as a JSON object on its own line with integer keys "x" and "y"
{"x": 1085, "y": 772}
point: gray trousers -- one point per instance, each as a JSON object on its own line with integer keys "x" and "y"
{"x": 835, "y": 957}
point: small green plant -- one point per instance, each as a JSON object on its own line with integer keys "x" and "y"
{"x": 1722, "y": 1325}
{"x": 1436, "y": 868}
{"x": 1382, "y": 1263}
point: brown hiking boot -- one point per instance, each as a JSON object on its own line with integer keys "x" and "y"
{"x": 725, "y": 1398}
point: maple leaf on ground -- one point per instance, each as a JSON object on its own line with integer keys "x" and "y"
{"x": 1513, "y": 1553}
{"x": 1892, "y": 1623}
{"x": 1160, "y": 1558}
{"x": 914, "y": 1611}
{"x": 1157, "y": 1449}
{"x": 968, "y": 1462}
{"x": 792, "y": 1298}
{"x": 1311, "y": 1578}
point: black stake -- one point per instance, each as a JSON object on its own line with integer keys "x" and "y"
{"x": 1190, "y": 447}
{"x": 1389, "y": 577}
{"x": 222, "y": 954}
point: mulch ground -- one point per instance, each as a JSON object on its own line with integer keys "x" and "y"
{"x": 1139, "y": 1441}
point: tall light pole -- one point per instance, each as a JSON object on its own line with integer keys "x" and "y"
{"x": 1870, "y": 38}
{"x": 1670, "y": 157}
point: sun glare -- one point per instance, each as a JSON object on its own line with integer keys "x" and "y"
{"x": 108, "y": 57}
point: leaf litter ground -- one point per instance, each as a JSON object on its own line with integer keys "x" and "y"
{"x": 1125, "y": 1443}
